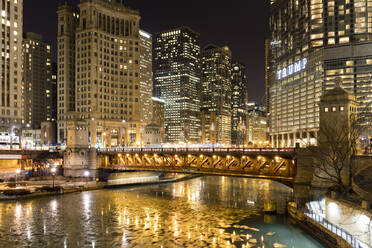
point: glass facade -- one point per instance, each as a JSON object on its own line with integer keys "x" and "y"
{"x": 177, "y": 82}
{"x": 334, "y": 37}
{"x": 239, "y": 104}
{"x": 146, "y": 85}
{"x": 216, "y": 94}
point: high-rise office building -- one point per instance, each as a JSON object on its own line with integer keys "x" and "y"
{"x": 11, "y": 113}
{"x": 311, "y": 44}
{"x": 51, "y": 95}
{"x": 99, "y": 71}
{"x": 239, "y": 104}
{"x": 216, "y": 95}
{"x": 256, "y": 125}
{"x": 68, "y": 20}
{"x": 158, "y": 112}
{"x": 146, "y": 85}
{"x": 37, "y": 76}
{"x": 177, "y": 80}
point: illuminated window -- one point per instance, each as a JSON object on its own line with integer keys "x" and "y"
{"x": 326, "y": 109}
{"x": 334, "y": 109}
{"x": 344, "y": 40}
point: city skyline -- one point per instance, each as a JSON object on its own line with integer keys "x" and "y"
{"x": 247, "y": 44}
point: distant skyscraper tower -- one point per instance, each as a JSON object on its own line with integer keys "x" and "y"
{"x": 146, "y": 85}
{"x": 102, "y": 86}
{"x": 177, "y": 80}
{"x": 37, "y": 77}
{"x": 216, "y": 94}
{"x": 11, "y": 71}
{"x": 68, "y": 20}
{"x": 51, "y": 94}
{"x": 239, "y": 104}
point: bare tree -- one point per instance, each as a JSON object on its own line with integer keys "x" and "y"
{"x": 338, "y": 142}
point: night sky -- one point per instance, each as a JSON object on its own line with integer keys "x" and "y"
{"x": 240, "y": 24}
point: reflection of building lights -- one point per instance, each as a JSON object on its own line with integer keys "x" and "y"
{"x": 53, "y": 205}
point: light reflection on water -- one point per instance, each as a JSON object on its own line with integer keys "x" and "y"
{"x": 202, "y": 212}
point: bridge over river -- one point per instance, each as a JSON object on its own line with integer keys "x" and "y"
{"x": 277, "y": 164}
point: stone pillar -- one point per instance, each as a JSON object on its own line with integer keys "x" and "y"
{"x": 78, "y": 157}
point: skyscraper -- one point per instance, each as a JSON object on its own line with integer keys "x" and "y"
{"x": 313, "y": 43}
{"x": 99, "y": 71}
{"x": 146, "y": 85}
{"x": 216, "y": 94}
{"x": 177, "y": 80}
{"x": 11, "y": 72}
{"x": 51, "y": 95}
{"x": 37, "y": 77}
{"x": 256, "y": 125}
{"x": 68, "y": 20}
{"x": 239, "y": 104}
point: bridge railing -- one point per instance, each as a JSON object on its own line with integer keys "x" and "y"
{"x": 195, "y": 150}
{"x": 333, "y": 228}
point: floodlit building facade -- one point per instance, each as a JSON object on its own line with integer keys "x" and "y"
{"x": 311, "y": 44}
{"x": 216, "y": 95}
{"x": 11, "y": 98}
{"x": 256, "y": 125}
{"x": 99, "y": 72}
{"x": 239, "y": 104}
{"x": 146, "y": 84}
{"x": 37, "y": 78}
{"x": 177, "y": 82}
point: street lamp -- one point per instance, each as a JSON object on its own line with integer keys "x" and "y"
{"x": 86, "y": 174}
{"x": 53, "y": 170}
{"x": 18, "y": 171}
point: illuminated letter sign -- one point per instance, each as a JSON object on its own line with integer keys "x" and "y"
{"x": 291, "y": 69}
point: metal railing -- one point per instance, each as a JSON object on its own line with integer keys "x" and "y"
{"x": 193, "y": 150}
{"x": 333, "y": 228}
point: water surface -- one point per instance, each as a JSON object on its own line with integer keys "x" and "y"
{"x": 203, "y": 212}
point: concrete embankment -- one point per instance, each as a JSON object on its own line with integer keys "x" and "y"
{"x": 40, "y": 189}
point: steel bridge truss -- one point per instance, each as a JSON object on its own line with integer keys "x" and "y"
{"x": 258, "y": 163}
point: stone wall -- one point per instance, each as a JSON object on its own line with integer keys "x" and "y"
{"x": 77, "y": 161}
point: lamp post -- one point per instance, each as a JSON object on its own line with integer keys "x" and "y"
{"x": 53, "y": 170}
{"x": 86, "y": 174}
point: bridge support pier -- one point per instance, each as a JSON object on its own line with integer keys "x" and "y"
{"x": 79, "y": 161}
